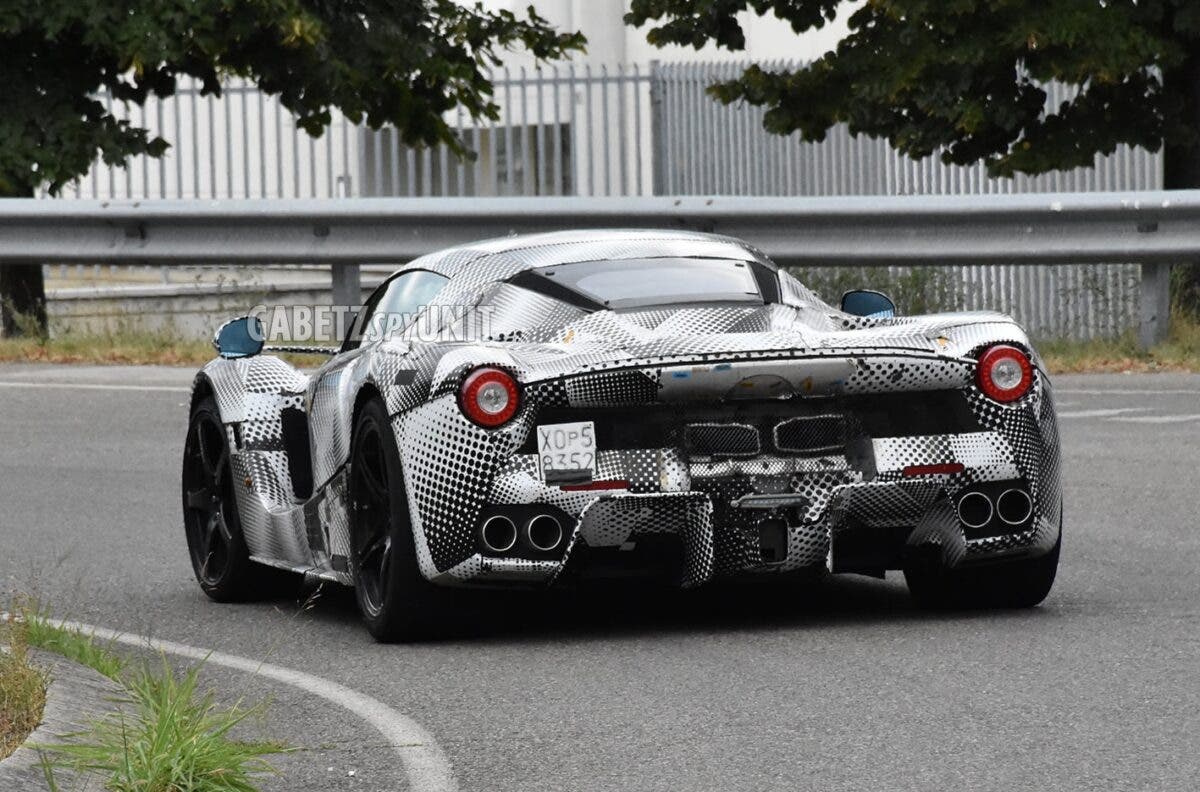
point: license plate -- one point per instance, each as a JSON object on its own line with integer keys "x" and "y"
{"x": 567, "y": 452}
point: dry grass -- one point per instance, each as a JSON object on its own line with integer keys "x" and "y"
{"x": 22, "y": 689}
{"x": 107, "y": 349}
{"x": 1180, "y": 352}
{"x": 127, "y": 347}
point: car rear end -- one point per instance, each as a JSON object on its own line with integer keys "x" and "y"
{"x": 703, "y": 466}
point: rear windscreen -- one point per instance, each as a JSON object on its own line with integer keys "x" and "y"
{"x": 629, "y": 283}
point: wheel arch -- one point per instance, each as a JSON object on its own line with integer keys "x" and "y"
{"x": 202, "y": 387}
{"x": 369, "y": 390}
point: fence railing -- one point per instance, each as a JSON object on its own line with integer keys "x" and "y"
{"x": 1153, "y": 229}
{"x": 561, "y": 130}
{"x": 707, "y": 148}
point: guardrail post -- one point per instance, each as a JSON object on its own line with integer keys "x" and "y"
{"x": 347, "y": 284}
{"x": 1156, "y": 304}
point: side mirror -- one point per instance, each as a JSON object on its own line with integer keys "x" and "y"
{"x": 863, "y": 302}
{"x": 239, "y": 338}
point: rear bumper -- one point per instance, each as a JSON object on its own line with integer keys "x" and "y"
{"x": 769, "y": 515}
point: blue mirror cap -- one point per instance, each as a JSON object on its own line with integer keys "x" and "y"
{"x": 239, "y": 338}
{"x": 869, "y": 304}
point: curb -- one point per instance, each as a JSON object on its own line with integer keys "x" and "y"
{"x": 75, "y": 696}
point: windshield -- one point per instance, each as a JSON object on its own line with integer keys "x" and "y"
{"x": 393, "y": 306}
{"x": 630, "y": 283}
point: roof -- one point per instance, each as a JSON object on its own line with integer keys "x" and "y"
{"x": 502, "y": 257}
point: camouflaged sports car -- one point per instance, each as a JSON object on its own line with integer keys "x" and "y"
{"x": 667, "y": 404}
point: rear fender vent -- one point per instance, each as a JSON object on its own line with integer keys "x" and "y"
{"x": 722, "y": 439}
{"x": 295, "y": 443}
{"x": 815, "y": 435}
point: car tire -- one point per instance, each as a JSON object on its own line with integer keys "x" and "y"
{"x": 396, "y": 601}
{"x": 211, "y": 521}
{"x": 1022, "y": 583}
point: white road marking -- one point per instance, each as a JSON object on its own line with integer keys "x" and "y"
{"x": 93, "y": 386}
{"x": 1124, "y": 391}
{"x": 1101, "y": 413}
{"x": 1158, "y": 419}
{"x": 424, "y": 763}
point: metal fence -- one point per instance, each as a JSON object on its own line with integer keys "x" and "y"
{"x": 706, "y": 148}
{"x": 624, "y": 131}
{"x": 561, "y": 131}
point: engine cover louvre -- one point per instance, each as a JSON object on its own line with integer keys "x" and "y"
{"x": 722, "y": 439}
{"x": 812, "y": 434}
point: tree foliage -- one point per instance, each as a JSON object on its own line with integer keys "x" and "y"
{"x": 401, "y": 62}
{"x": 966, "y": 77}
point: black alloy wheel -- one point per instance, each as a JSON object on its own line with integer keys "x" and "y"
{"x": 396, "y": 601}
{"x": 210, "y": 513}
{"x": 372, "y": 518}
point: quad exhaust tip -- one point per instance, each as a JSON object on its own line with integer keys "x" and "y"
{"x": 544, "y": 532}
{"x": 499, "y": 533}
{"x": 1014, "y": 506}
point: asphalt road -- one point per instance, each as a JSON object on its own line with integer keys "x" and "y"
{"x": 841, "y": 687}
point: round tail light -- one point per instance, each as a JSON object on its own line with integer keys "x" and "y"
{"x": 1004, "y": 373}
{"x": 489, "y": 397}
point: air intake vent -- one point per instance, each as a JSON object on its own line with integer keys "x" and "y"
{"x": 722, "y": 439}
{"x": 814, "y": 435}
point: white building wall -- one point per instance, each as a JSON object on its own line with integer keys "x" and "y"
{"x": 602, "y": 116}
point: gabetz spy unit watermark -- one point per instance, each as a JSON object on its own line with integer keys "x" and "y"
{"x": 332, "y": 324}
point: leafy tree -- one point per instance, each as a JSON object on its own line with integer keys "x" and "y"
{"x": 400, "y": 62}
{"x": 965, "y": 77}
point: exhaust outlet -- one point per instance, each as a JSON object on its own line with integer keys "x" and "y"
{"x": 1014, "y": 506}
{"x": 544, "y": 532}
{"x": 975, "y": 510}
{"x": 772, "y": 539}
{"x": 498, "y": 533}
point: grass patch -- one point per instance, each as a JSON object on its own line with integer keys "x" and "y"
{"x": 107, "y": 348}
{"x": 22, "y": 689}
{"x": 1180, "y": 352}
{"x": 167, "y": 736}
{"x": 73, "y": 645}
{"x": 173, "y": 738}
{"x": 128, "y": 347}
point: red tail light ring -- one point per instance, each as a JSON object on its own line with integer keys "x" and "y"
{"x": 489, "y": 397}
{"x": 1004, "y": 373}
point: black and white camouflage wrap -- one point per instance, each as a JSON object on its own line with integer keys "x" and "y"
{"x": 781, "y": 373}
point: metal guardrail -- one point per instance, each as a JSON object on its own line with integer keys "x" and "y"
{"x": 1153, "y": 229}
